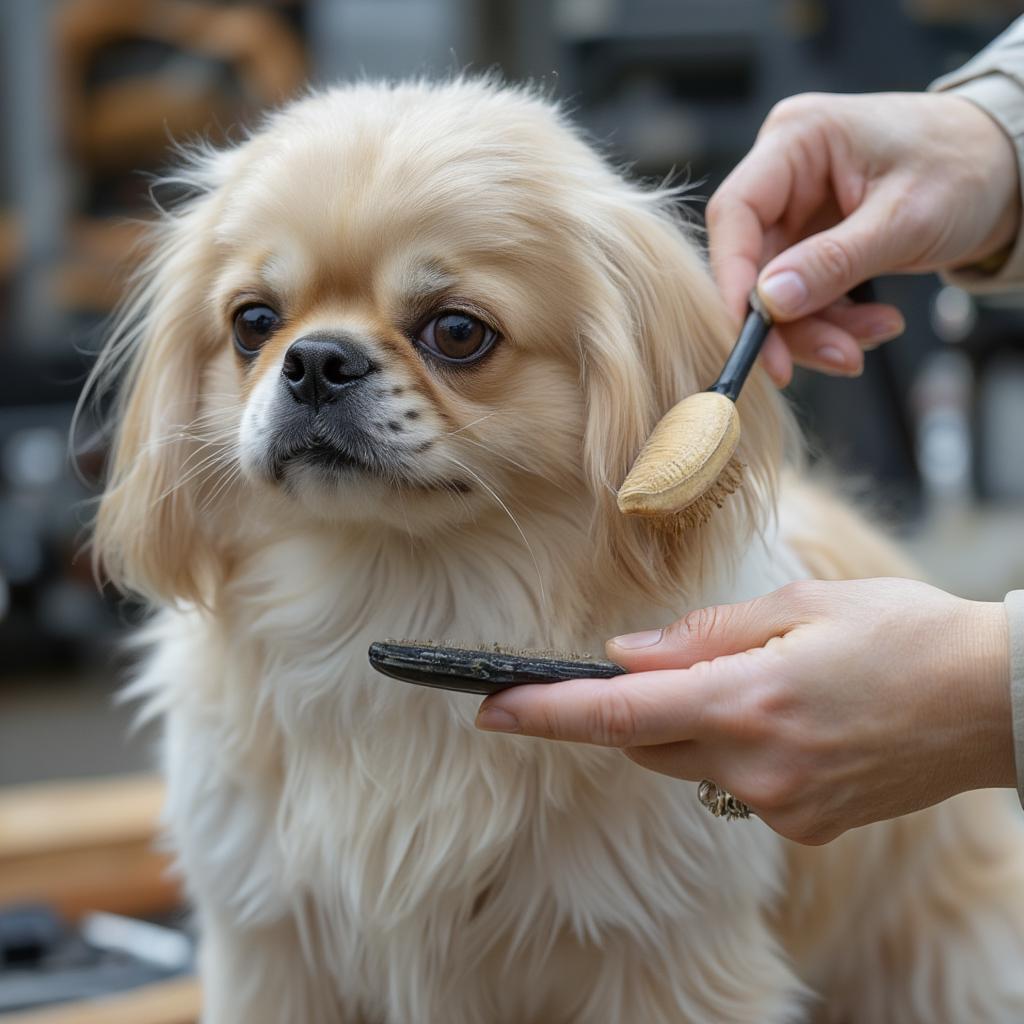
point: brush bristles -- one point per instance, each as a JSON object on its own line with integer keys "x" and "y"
{"x": 700, "y": 511}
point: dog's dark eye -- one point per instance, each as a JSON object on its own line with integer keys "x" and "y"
{"x": 253, "y": 326}
{"x": 456, "y": 337}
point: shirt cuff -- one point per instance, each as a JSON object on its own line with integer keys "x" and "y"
{"x": 1001, "y": 97}
{"x": 1014, "y": 604}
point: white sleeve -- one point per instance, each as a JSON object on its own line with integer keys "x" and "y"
{"x": 994, "y": 81}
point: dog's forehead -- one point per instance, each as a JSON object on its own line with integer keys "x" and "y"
{"x": 337, "y": 182}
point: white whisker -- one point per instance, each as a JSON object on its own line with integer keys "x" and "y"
{"x": 228, "y": 479}
{"x": 222, "y": 454}
{"x": 515, "y": 522}
{"x": 501, "y": 455}
{"x": 472, "y": 423}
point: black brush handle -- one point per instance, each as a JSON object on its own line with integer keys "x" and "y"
{"x": 480, "y": 671}
{"x": 748, "y": 346}
{"x": 745, "y": 352}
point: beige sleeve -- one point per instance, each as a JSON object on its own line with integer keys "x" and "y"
{"x": 1014, "y": 605}
{"x": 994, "y": 81}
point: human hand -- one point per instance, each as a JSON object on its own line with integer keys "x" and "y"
{"x": 822, "y": 705}
{"x": 838, "y": 189}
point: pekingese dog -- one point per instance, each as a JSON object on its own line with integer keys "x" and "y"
{"x": 382, "y": 375}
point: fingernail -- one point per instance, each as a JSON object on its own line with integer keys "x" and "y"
{"x": 785, "y": 291}
{"x": 494, "y": 719}
{"x": 884, "y": 330}
{"x": 635, "y": 641}
{"x": 832, "y": 356}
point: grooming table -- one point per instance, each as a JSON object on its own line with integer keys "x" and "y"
{"x": 89, "y": 846}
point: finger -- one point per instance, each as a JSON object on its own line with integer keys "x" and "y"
{"x": 750, "y": 200}
{"x": 868, "y": 323}
{"x": 629, "y": 710}
{"x": 706, "y": 633}
{"x": 777, "y": 361}
{"x": 834, "y": 340}
{"x": 687, "y": 760}
{"x": 815, "y": 343}
{"x": 860, "y": 326}
{"x": 820, "y": 269}
{"x": 735, "y": 239}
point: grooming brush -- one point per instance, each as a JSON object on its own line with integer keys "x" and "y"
{"x": 688, "y": 466}
{"x": 493, "y": 669}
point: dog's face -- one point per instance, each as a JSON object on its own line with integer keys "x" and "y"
{"x": 397, "y": 319}
{"x": 410, "y": 308}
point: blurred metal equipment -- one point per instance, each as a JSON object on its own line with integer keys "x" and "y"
{"x": 943, "y": 407}
{"x": 1001, "y": 428}
{"x": 954, "y": 314}
{"x": 45, "y": 960}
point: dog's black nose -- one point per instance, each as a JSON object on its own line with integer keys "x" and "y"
{"x": 317, "y": 369}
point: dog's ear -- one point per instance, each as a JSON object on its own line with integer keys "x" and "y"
{"x": 148, "y": 537}
{"x": 659, "y": 334}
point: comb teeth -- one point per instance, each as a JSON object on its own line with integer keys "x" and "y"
{"x": 492, "y": 647}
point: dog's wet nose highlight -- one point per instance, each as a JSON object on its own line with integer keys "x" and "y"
{"x": 317, "y": 369}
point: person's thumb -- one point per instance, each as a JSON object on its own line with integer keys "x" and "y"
{"x": 703, "y": 634}
{"x": 819, "y": 270}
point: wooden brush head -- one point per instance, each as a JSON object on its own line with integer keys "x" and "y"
{"x": 689, "y": 456}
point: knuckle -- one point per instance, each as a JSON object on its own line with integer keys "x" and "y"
{"x": 795, "y": 825}
{"x": 807, "y": 830}
{"x": 820, "y": 835}
{"x": 721, "y": 206}
{"x": 794, "y": 590}
{"x": 613, "y": 720}
{"x": 699, "y": 625}
{"x": 765, "y": 800}
{"x": 835, "y": 259}
{"x": 751, "y": 720}
{"x": 775, "y": 792}
{"x": 801, "y": 595}
{"x": 548, "y": 722}
{"x": 910, "y": 207}
{"x": 787, "y": 109}
{"x": 713, "y": 211}
{"x": 654, "y": 761}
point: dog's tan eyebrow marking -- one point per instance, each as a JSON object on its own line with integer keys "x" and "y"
{"x": 425, "y": 282}
{"x": 284, "y": 272}
{"x": 427, "y": 278}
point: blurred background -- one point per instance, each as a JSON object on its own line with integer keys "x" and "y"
{"x": 94, "y": 91}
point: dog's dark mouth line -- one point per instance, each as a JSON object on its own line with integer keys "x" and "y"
{"x": 335, "y": 459}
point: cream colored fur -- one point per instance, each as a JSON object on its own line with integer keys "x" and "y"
{"x": 357, "y": 852}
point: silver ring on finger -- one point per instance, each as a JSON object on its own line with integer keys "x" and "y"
{"x": 721, "y": 803}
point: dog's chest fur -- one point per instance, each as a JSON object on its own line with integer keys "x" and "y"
{"x": 418, "y": 858}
